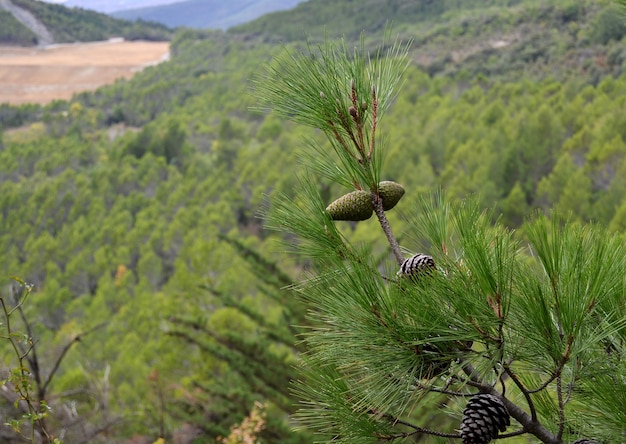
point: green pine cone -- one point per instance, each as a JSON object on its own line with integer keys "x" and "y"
{"x": 391, "y": 193}
{"x": 354, "y": 206}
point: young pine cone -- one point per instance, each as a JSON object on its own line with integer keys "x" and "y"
{"x": 390, "y": 193}
{"x": 484, "y": 416}
{"x": 354, "y": 206}
{"x": 357, "y": 205}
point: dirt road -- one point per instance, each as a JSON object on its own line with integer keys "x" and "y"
{"x": 40, "y": 75}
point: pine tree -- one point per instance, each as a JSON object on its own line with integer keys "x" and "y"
{"x": 259, "y": 367}
{"x": 521, "y": 333}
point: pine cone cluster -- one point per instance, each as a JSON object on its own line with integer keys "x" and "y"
{"x": 484, "y": 416}
{"x": 357, "y": 205}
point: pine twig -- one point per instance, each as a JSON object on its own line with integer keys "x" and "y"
{"x": 384, "y": 223}
{"x": 374, "y": 120}
{"x": 342, "y": 142}
{"x": 22, "y": 388}
{"x": 345, "y": 123}
{"x": 512, "y": 434}
{"x": 416, "y": 429}
{"x": 444, "y": 391}
{"x": 518, "y": 383}
{"x": 358, "y": 119}
{"x": 554, "y": 375}
{"x": 559, "y": 394}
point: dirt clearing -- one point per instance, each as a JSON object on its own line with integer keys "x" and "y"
{"x": 40, "y": 75}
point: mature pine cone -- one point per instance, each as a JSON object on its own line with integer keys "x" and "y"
{"x": 417, "y": 265}
{"x": 484, "y": 416}
{"x": 585, "y": 441}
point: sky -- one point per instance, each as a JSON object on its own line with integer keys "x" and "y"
{"x": 112, "y": 5}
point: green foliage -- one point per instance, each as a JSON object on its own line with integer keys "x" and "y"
{"x": 167, "y": 142}
{"x": 257, "y": 353}
{"x": 15, "y": 116}
{"x": 514, "y": 207}
{"x": 451, "y": 36}
{"x": 23, "y": 383}
{"x": 13, "y": 32}
{"x": 81, "y": 25}
{"x": 349, "y": 20}
{"x": 609, "y": 25}
{"x": 313, "y": 88}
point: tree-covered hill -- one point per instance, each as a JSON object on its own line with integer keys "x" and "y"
{"x": 13, "y": 32}
{"x": 134, "y": 209}
{"x": 68, "y": 25}
{"x": 494, "y": 38}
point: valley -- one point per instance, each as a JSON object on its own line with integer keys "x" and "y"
{"x": 189, "y": 286}
{"x": 41, "y": 75}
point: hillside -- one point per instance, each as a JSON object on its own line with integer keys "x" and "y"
{"x": 134, "y": 209}
{"x": 488, "y": 37}
{"x": 66, "y": 25}
{"x": 26, "y": 18}
{"x": 13, "y": 32}
{"x": 203, "y": 14}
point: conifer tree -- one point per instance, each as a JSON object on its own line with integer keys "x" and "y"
{"x": 522, "y": 333}
{"x": 260, "y": 368}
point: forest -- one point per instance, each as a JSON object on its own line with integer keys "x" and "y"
{"x": 159, "y": 302}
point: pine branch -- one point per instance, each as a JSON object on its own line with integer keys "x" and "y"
{"x": 532, "y": 308}
{"x": 546, "y": 383}
{"x": 525, "y": 392}
{"x": 418, "y": 431}
{"x": 529, "y": 423}
{"x": 384, "y": 223}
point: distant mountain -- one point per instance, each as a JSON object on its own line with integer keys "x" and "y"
{"x": 213, "y": 14}
{"x": 31, "y": 22}
{"x": 108, "y": 6}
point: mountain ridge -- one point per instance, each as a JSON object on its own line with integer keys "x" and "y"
{"x": 213, "y": 14}
{"x": 52, "y": 23}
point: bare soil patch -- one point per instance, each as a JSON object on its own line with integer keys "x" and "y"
{"x": 40, "y": 75}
